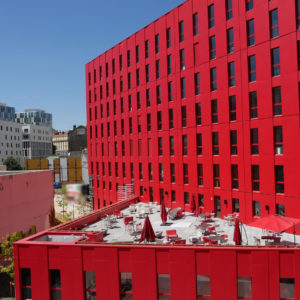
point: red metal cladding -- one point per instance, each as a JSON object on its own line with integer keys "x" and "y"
{"x": 235, "y": 115}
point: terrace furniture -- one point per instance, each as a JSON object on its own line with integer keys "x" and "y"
{"x": 271, "y": 239}
{"x": 179, "y": 242}
{"x": 256, "y": 241}
{"x": 127, "y": 220}
{"x": 171, "y": 235}
{"x": 118, "y": 214}
{"x": 194, "y": 239}
{"x": 132, "y": 208}
{"x": 205, "y": 240}
{"x": 173, "y": 213}
{"x": 158, "y": 234}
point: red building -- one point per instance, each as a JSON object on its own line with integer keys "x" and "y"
{"x": 204, "y": 103}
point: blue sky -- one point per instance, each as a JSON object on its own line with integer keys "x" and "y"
{"x": 45, "y": 45}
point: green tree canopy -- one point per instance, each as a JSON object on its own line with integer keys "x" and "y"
{"x": 12, "y": 164}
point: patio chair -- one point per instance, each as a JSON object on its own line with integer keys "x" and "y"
{"x": 171, "y": 235}
{"x": 127, "y": 220}
{"x": 206, "y": 240}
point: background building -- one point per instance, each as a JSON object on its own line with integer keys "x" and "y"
{"x": 203, "y": 103}
{"x": 60, "y": 141}
{"x": 34, "y": 116}
{"x": 77, "y": 140}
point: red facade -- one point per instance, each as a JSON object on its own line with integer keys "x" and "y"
{"x": 248, "y": 116}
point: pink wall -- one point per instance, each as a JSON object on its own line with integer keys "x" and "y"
{"x": 25, "y": 200}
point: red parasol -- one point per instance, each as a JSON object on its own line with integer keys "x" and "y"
{"x": 163, "y": 213}
{"x": 193, "y": 204}
{"x": 147, "y": 232}
{"x": 237, "y": 237}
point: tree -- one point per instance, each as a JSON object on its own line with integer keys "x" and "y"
{"x": 12, "y": 164}
{"x": 54, "y": 148}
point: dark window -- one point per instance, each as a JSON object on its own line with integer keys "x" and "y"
{"x": 214, "y": 111}
{"x": 171, "y": 118}
{"x": 234, "y": 177}
{"x": 149, "y": 122}
{"x": 114, "y": 86}
{"x": 173, "y": 196}
{"x": 125, "y": 285}
{"x": 278, "y": 140}
{"x": 252, "y": 68}
{"x": 121, "y": 62}
{"x": 231, "y": 74}
{"x": 277, "y": 107}
{"x": 55, "y": 284}
{"x": 131, "y": 170}
{"x": 235, "y": 205}
{"x": 90, "y": 285}
{"x": 122, "y": 104}
{"x": 159, "y": 120}
{"x": 95, "y": 75}
{"x": 211, "y": 16}
{"x": 148, "y": 97}
{"x": 229, "y": 12}
{"x": 164, "y": 286}
{"x": 216, "y": 174}
{"x": 122, "y": 126}
{"x": 139, "y": 124}
{"x": 161, "y": 171}
{"x": 275, "y": 57}
{"x": 255, "y": 178}
{"x": 170, "y": 91}
{"x": 230, "y": 40}
{"x": 157, "y": 69}
{"x": 213, "y": 79}
{"x": 106, "y": 69}
{"x": 279, "y": 179}
{"x": 298, "y": 53}
{"x": 26, "y": 283}
{"x": 249, "y": 4}
{"x": 185, "y": 174}
{"x": 123, "y": 148}
{"x": 198, "y": 113}
{"x": 124, "y": 169}
{"x": 129, "y": 80}
{"x": 140, "y": 171}
{"x": 168, "y": 37}
{"x": 186, "y": 198}
{"x": 287, "y": 288}
{"x": 298, "y": 13}
{"x": 116, "y": 169}
{"x": 280, "y": 209}
{"x": 212, "y": 47}
{"x": 158, "y": 94}
{"x": 253, "y": 104}
{"x": 181, "y": 31}
{"x": 182, "y": 59}
{"x": 137, "y": 53}
{"x": 232, "y": 108}
{"x": 147, "y": 73}
{"x": 256, "y": 208}
{"x": 169, "y": 63}
{"x": 184, "y": 145}
{"x": 172, "y": 171}
{"x": 197, "y": 83}
{"x": 128, "y": 58}
{"x": 100, "y": 72}
{"x": 199, "y": 143}
{"x": 200, "y": 174}
{"x": 183, "y": 116}
{"x": 130, "y": 125}
{"x": 157, "y": 43}
{"x": 254, "y": 140}
{"x": 203, "y": 286}
{"x": 89, "y": 78}
{"x": 195, "y": 24}
{"x": 233, "y": 142}
{"x": 200, "y": 201}
{"x": 107, "y": 89}
{"x": 171, "y": 145}
{"x": 146, "y": 49}
{"x": 250, "y": 32}
{"x": 215, "y": 143}
{"x": 137, "y": 77}
{"x": 150, "y": 171}
{"x": 274, "y": 28}
{"x": 182, "y": 87}
{"x": 244, "y": 288}
{"x": 138, "y": 100}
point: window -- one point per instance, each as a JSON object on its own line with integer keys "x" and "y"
{"x": 298, "y": 13}
{"x": 229, "y": 12}
{"x": 249, "y": 4}
{"x": 123, "y": 148}
{"x": 173, "y": 196}
{"x": 235, "y": 205}
{"x": 215, "y": 142}
{"x": 279, "y": 179}
{"x": 159, "y": 120}
{"x": 278, "y": 140}
{"x": 200, "y": 174}
{"x": 157, "y": 43}
{"x": 164, "y": 286}
{"x": 216, "y": 174}
{"x": 252, "y": 68}
{"x": 274, "y": 28}
{"x": 198, "y": 113}
{"x": 287, "y": 288}
{"x": 253, "y": 104}
{"x": 149, "y": 122}
{"x": 148, "y": 97}
{"x": 150, "y": 171}
{"x": 255, "y": 178}
{"x": 200, "y": 203}
{"x": 107, "y": 89}
{"x": 130, "y": 125}
{"x": 254, "y": 140}
{"x": 185, "y": 174}
{"x": 106, "y": 69}
{"x": 137, "y": 77}
{"x": 137, "y": 53}
{"x": 147, "y": 73}
{"x": 195, "y": 24}
{"x": 183, "y": 116}
{"x": 95, "y": 75}
{"x": 182, "y": 87}
{"x": 126, "y": 285}
{"x": 116, "y": 169}
{"x": 250, "y": 32}
{"x": 212, "y": 47}
{"x": 230, "y": 40}
{"x": 161, "y": 171}
{"x": 298, "y": 53}
{"x": 280, "y": 209}
{"x": 120, "y": 62}
{"x": 160, "y": 146}
{"x": 233, "y": 142}
{"x": 128, "y": 58}
{"x": 186, "y": 198}
{"x": 171, "y": 118}
{"x": 140, "y": 170}
{"x": 203, "y": 287}
{"x": 158, "y": 94}
{"x": 275, "y": 57}
{"x": 244, "y": 288}
{"x": 214, "y": 111}
{"x": 26, "y": 283}
{"x": 171, "y": 145}
{"x": 157, "y": 69}
{"x": 146, "y": 49}
{"x": 172, "y": 171}
{"x": 55, "y": 284}
{"x": 138, "y": 100}
{"x": 90, "y": 285}
{"x": 181, "y": 31}
{"x": 170, "y": 91}
{"x": 197, "y": 83}
{"x": 234, "y": 177}
{"x": 232, "y": 108}
{"x": 168, "y": 37}
{"x": 213, "y": 79}
{"x": 199, "y": 143}
{"x": 123, "y": 170}
{"x": 182, "y": 59}
{"x": 169, "y": 64}
{"x": 211, "y": 16}
{"x": 184, "y": 145}
{"x": 129, "y": 103}
{"x": 276, "y": 94}
{"x": 231, "y": 74}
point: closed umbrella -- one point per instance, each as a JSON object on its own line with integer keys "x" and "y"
{"x": 147, "y": 232}
{"x": 237, "y": 237}
{"x": 193, "y": 204}
{"x": 163, "y": 213}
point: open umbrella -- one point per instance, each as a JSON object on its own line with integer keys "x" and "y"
{"x": 193, "y": 204}
{"x": 163, "y": 213}
{"x": 147, "y": 232}
{"x": 237, "y": 237}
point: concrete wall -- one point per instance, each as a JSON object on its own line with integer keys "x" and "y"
{"x": 25, "y": 200}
